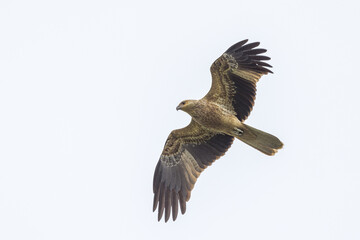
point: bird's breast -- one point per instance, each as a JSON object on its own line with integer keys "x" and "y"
{"x": 213, "y": 116}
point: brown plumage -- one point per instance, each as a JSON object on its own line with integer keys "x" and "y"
{"x": 216, "y": 120}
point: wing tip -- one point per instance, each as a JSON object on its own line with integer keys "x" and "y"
{"x": 248, "y": 55}
{"x": 172, "y": 209}
{"x": 237, "y": 45}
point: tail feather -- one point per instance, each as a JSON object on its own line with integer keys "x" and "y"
{"x": 262, "y": 141}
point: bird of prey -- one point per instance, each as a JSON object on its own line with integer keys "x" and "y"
{"x": 216, "y": 120}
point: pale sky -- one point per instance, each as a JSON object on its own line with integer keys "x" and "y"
{"x": 88, "y": 91}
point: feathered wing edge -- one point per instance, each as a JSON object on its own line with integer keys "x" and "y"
{"x": 176, "y": 174}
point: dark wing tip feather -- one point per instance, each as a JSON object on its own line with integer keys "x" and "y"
{"x": 247, "y": 55}
{"x": 264, "y": 64}
{"x": 248, "y": 46}
{"x": 261, "y": 57}
{"x": 161, "y": 202}
{"x": 156, "y": 200}
{"x": 254, "y": 52}
{"x": 182, "y": 204}
{"x": 168, "y": 199}
{"x": 175, "y": 200}
{"x": 237, "y": 45}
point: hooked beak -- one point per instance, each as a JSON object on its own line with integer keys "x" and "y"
{"x": 178, "y": 108}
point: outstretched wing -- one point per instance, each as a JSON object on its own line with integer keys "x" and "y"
{"x": 234, "y": 77}
{"x": 187, "y": 152}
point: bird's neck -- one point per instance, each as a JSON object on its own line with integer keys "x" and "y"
{"x": 194, "y": 109}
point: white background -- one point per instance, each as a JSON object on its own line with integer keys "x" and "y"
{"x": 88, "y": 92}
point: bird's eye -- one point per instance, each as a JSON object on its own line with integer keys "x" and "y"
{"x": 182, "y": 103}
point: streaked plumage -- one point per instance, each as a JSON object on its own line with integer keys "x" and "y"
{"x": 216, "y": 120}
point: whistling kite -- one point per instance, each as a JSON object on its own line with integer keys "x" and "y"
{"x": 216, "y": 119}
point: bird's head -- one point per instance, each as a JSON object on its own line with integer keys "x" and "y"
{"x": 186, "y": 105}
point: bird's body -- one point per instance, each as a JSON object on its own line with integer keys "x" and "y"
{"x": 213, "y": 116}
{"x": 217, "y": 119}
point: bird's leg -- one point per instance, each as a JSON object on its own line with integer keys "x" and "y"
{"x": 238, "y": 131}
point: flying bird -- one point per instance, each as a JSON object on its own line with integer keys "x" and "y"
{"x": 216, "y": 120}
